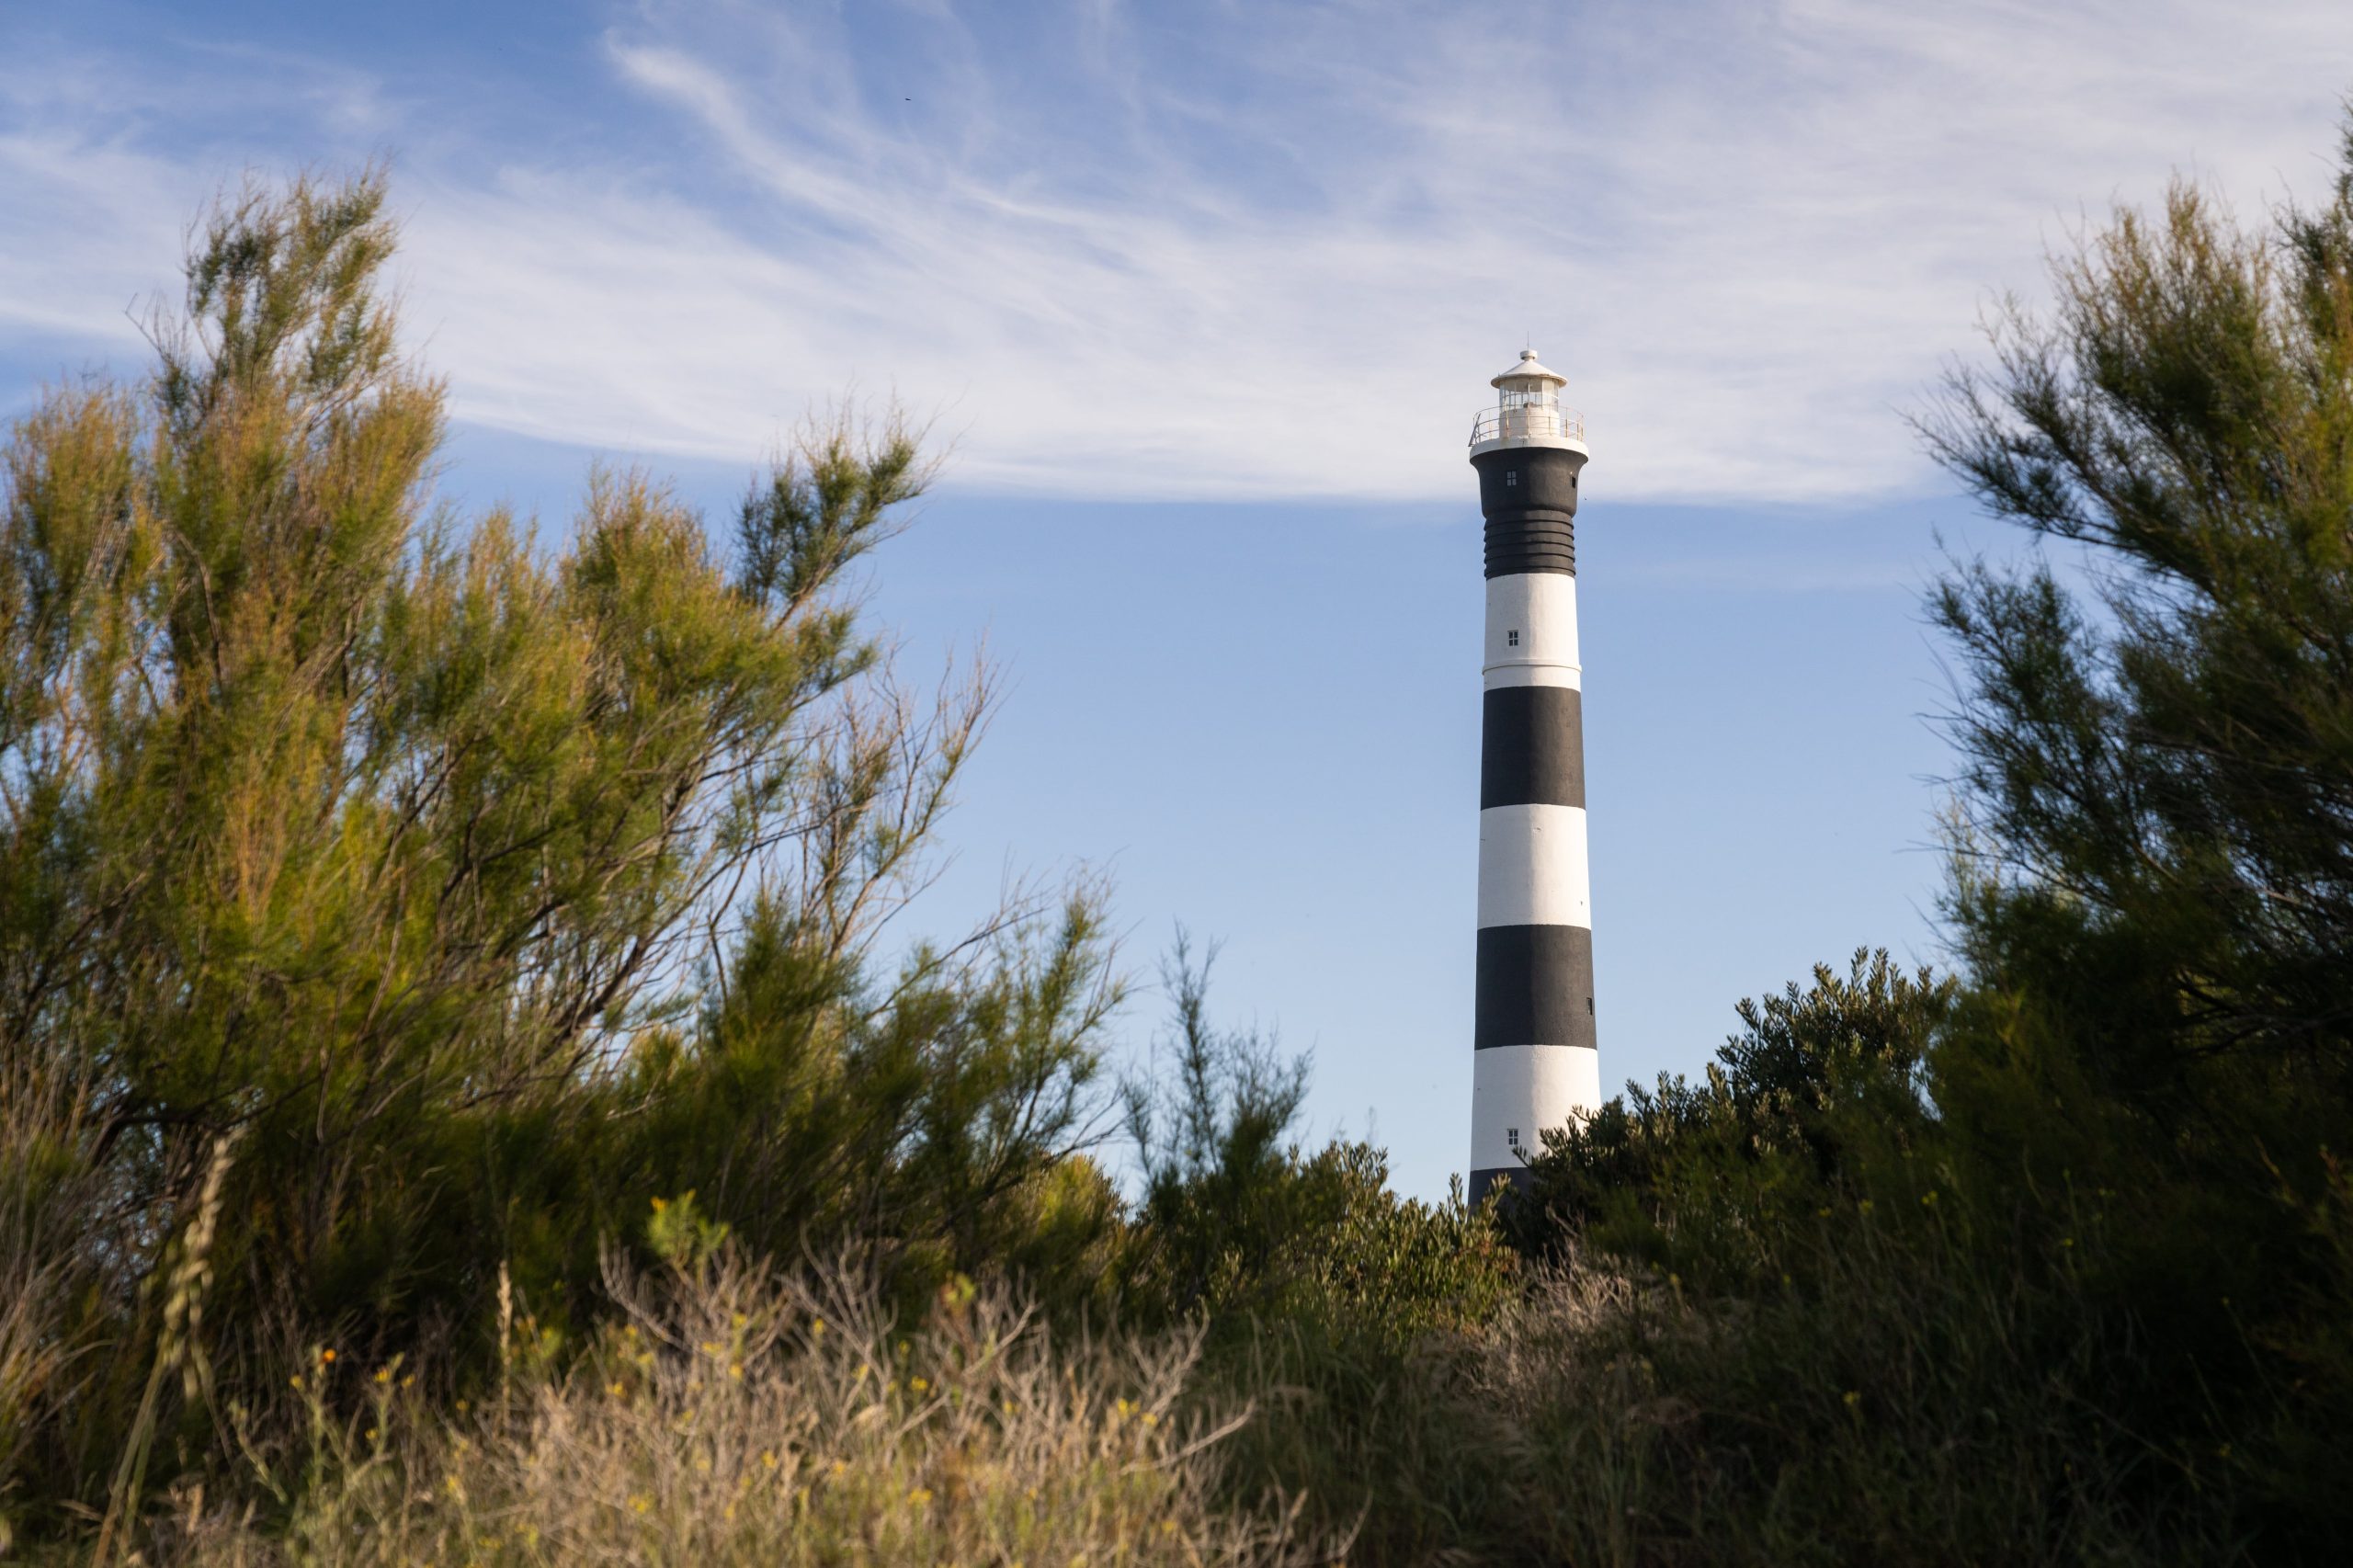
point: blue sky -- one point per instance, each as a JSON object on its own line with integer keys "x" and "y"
{"x": 1205, "y": 296}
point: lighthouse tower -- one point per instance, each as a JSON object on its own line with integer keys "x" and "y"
{"x": 1535, "y": 1066}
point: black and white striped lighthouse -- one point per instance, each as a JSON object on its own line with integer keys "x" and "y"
{"x": 1535, "y": 1065}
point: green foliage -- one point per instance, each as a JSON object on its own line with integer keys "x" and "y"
{"x": 1237, "y": 1221}
{"x": 1836, "y": 1339}
{"x": 1793, "y": 1112}
{"x": 1326, "y": 1296}
{"x": 1224, "y": 1194}
{"x": 682, "y": 1238}
{"x": 485, "y": 889}
{"x": 2154, "y": 885}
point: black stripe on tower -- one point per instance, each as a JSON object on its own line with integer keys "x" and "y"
{"x": 1535, "y": 986}
{"x": 1532, "y": 747}
{"x": 1530, "y": 544}
{"x": 1529, "y": 496}
{"x": 1483, "y": 1182}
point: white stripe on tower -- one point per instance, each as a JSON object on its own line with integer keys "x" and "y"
{"x": 1535, "y": 1064}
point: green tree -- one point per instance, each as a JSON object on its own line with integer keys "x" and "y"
{"x": 2156, "y": 880}
{"x": 482, "y": 888}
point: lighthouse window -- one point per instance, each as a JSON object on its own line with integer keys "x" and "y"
{"x": 1511, "y": 1136}
{"x": 1511, "y": 639}
{"x": 1511, "y": 479}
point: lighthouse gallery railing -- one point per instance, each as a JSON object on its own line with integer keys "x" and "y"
{"x": 1529, "y": 421}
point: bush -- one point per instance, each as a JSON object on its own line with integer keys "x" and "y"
{"x": 1793, "y": 1109}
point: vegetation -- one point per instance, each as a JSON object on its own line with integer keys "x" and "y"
{"x": 455, "y": 1110}
{"x": 728, "y": 1417}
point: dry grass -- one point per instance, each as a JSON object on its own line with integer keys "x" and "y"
{"x": 48, "y": 1290}
{"x": 740, "y": 1418}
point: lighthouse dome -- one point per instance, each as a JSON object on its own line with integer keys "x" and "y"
{"x": 1528, "y": 375}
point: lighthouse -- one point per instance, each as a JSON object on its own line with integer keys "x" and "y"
{"x": 1534, "y": 1065}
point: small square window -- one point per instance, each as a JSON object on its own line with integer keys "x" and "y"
{"x": 1511, "y": 1136}
{"x": 1511, "y": 639}
{"x": 1511, "y": 479}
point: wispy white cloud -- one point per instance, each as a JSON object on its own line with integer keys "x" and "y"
{"x": 1270, "y": 250}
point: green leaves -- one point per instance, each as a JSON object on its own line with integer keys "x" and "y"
{"x": 2181, "y": 756}
{"x": 682, "y": 1237}
{"x": 827, "y": 504}
{"x": 1804, "y": 1107}
{"x": 493, "y": 887}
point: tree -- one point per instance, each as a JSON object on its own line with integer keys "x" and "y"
{"x": 2154, "y": 882}
{"x": 477, "y": 889}
{"x": 2166, "y": 776}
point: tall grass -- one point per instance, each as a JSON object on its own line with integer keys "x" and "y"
{"x": 54, "y": 1232}
{"x": 735, "y": 1415}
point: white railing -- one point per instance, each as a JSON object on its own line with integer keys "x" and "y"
{"x": 1528, "y": 422}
